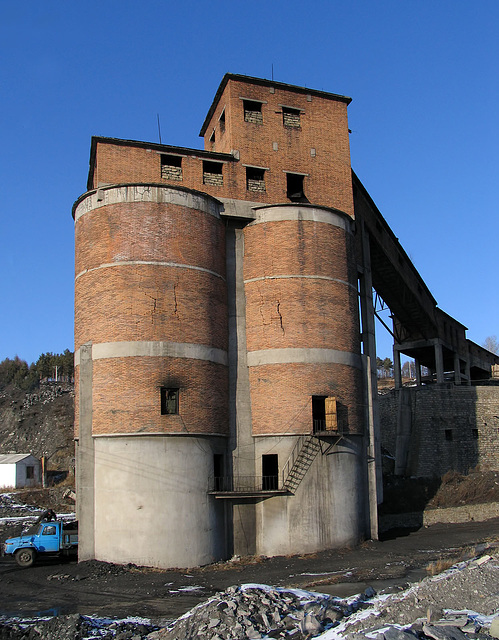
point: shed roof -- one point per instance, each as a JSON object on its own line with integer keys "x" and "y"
{"x": 13, "y": 458}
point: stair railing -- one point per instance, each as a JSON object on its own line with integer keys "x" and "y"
{"x": 288, "y": 465}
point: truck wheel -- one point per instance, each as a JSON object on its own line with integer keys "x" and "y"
{"x": 25, "y": 557}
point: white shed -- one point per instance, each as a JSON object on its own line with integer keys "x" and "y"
{"x": 19, "y": 470}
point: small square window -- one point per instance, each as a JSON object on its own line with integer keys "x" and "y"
{"x": 253, "y": 111}
{"x": 171, "y": 168}
{"x": 30, "y": 473}
{"x": 255, "y": 179}
{"x": 212, "y": 173}
{"x": 291, "y": 117}
{"x": 169, "y": 401}
{"x": 448, "y": 435}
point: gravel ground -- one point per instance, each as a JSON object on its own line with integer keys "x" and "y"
{"x": 67, "y": 600}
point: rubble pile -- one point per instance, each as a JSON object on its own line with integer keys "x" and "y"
{"x": 461, "y": 603}
{"x": 454, "y": 605}
{"x": 74, "y": 627}
{"x": 257, "y": 611}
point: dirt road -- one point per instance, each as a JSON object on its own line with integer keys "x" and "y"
{"x": 103, "y": 589}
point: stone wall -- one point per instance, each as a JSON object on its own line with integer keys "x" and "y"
{"x": 451, "y": 515}
{"x": 433, "y": 429}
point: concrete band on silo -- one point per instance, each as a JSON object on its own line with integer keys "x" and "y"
{"x": 308, "y": 213}
{"x": 155, "y": 263}
{"x": 303, "y": 356}
{"x": 305, "y": 277}
{"x": 114, "y": 194}
{"x": 155, "y": 349}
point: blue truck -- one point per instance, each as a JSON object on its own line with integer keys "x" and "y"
{"x": 48, "y": 537}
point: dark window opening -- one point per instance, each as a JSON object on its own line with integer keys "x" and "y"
{"x": 169, "y": 401}
{"x": 319, "y": 413}
{"x": 212, "y": 173}
{"x": 294, "y": 188}
{"x": 30, "y": 473}
{"x": 221, "y": 120}
{"x": 291, "y": 117}
{"x": 253, "y": 111}
{"x": 327, "y": 414}
{"x": 212, "y": 137}
{"x": 218, "y": 471}
{"x": 475, "y": 434}
{"x": 270, "y": 472}
{"x": 448, "y": 435}
{"x": 171, "y": 167}
{"x": 255, "y": 179}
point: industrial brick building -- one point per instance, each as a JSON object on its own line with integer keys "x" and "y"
{"x": 226, "y": 385}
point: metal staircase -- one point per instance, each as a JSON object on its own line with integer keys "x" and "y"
{"x": 302, "y": 456}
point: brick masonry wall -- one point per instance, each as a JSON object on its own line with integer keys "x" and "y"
{"x": 305, "y": 311}
{"x": 256, "y": 185}
{"x": 181, "y": 300}
{"x": 149, "y": 231}
{"x": 470, "y": 414}
{"x": 317, "y": 309}
{"x": 281, "y": 396}
{"x": 323, "y": 128}
{"x": 127, "y": 396}
{"x": 148, "y": 302}
{"x": 319, "y": 148}
{"x": 466, "y": 513}
{"x": 123, "y": 302}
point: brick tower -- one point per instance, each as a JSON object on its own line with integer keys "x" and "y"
{"x": 221, "y": 396}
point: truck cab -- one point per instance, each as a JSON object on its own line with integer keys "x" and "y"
{"x": 53, "y": 537}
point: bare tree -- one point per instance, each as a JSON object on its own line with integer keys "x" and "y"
{"x": 491, "y": 344}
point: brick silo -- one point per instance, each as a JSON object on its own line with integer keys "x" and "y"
{"x": 151, "y": 356}
{"x": 303, "y": 344}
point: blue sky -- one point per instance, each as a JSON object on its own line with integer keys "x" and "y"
{"x": 424, "y": 80}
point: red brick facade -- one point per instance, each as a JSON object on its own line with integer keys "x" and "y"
{"x": 318, "y": 149}
{"x": 281, "y": 398}
{"x": 127, "y": 396}
{"x": 154, "y": 271}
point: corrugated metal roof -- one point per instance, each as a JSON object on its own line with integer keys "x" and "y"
{"x": 13, "y": 458}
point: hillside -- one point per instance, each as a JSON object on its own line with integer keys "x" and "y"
{"x": 39, "y": 422}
